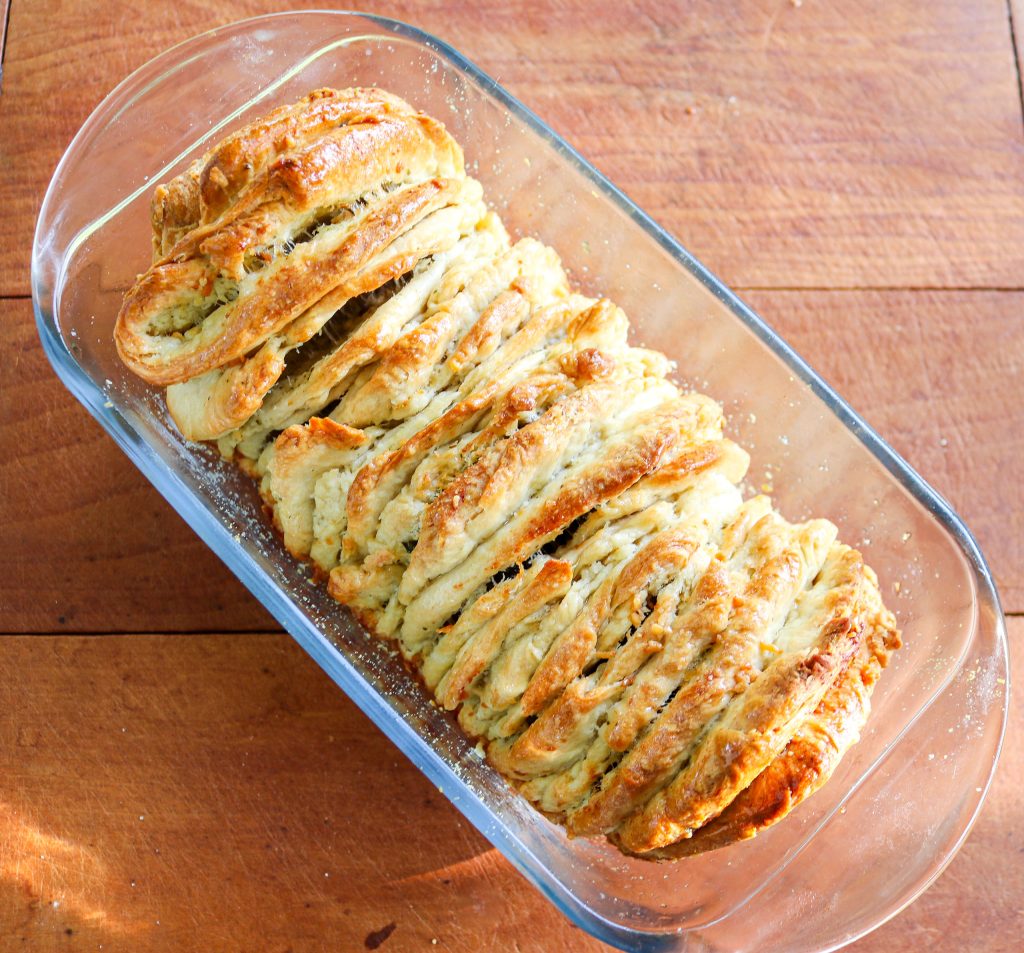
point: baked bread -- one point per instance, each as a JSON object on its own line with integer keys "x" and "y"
{"x": 485, "y": 470}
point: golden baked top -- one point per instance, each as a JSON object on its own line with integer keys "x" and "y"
{"x": 486, "y": 471}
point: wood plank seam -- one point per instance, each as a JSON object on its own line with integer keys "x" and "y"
{"x": 989, "y": 289}
{"x": 1016, "y": 57}
{"x": 202, "y": 633}
{"x": 93, "y": 633}
{"x": 5, "y": 22}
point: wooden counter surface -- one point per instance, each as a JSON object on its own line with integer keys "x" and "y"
{"x": 176, "y": 774}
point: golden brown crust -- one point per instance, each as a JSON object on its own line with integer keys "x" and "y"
{"x": 540, "y": 744}
{"x": 296, "y": 285}
{"x": 574, "y": 647}
{"x": 209, "y": 185}
{"x": 379, "y": 480}
{"x": 210, "y": 406}
{"x": 331, "y": 376}
{"x": 212, "y": 183}
{"x": 486, "y": 471}
{"x": 622, "y": 463}
{"x": 486, "y": 493}
{"x": 783, "y": 558}
{"x": 809, "y": 758}
{"x": 759, "y": 723}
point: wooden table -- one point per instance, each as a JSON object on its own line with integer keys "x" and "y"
{"x": 175, "y": 774}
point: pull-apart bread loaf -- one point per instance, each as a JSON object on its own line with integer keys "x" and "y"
{"x": 485, "y": 471}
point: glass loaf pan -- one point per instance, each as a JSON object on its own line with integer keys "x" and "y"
{"x": 902, "y": 800}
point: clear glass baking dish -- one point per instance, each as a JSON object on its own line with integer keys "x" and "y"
{"x": 904, "y": 798}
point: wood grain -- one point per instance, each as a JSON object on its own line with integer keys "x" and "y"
{"x": 90, "y": 546}
{"x": 976, "y": 904}
{"x": 220, "y": 793}
{"x": 938, "y": 375}
{"x": 165, "y": 793}
{"x": 1016, "y": 8}
{"x": 825, "y": 144}
{"x": 5, "y": 8}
